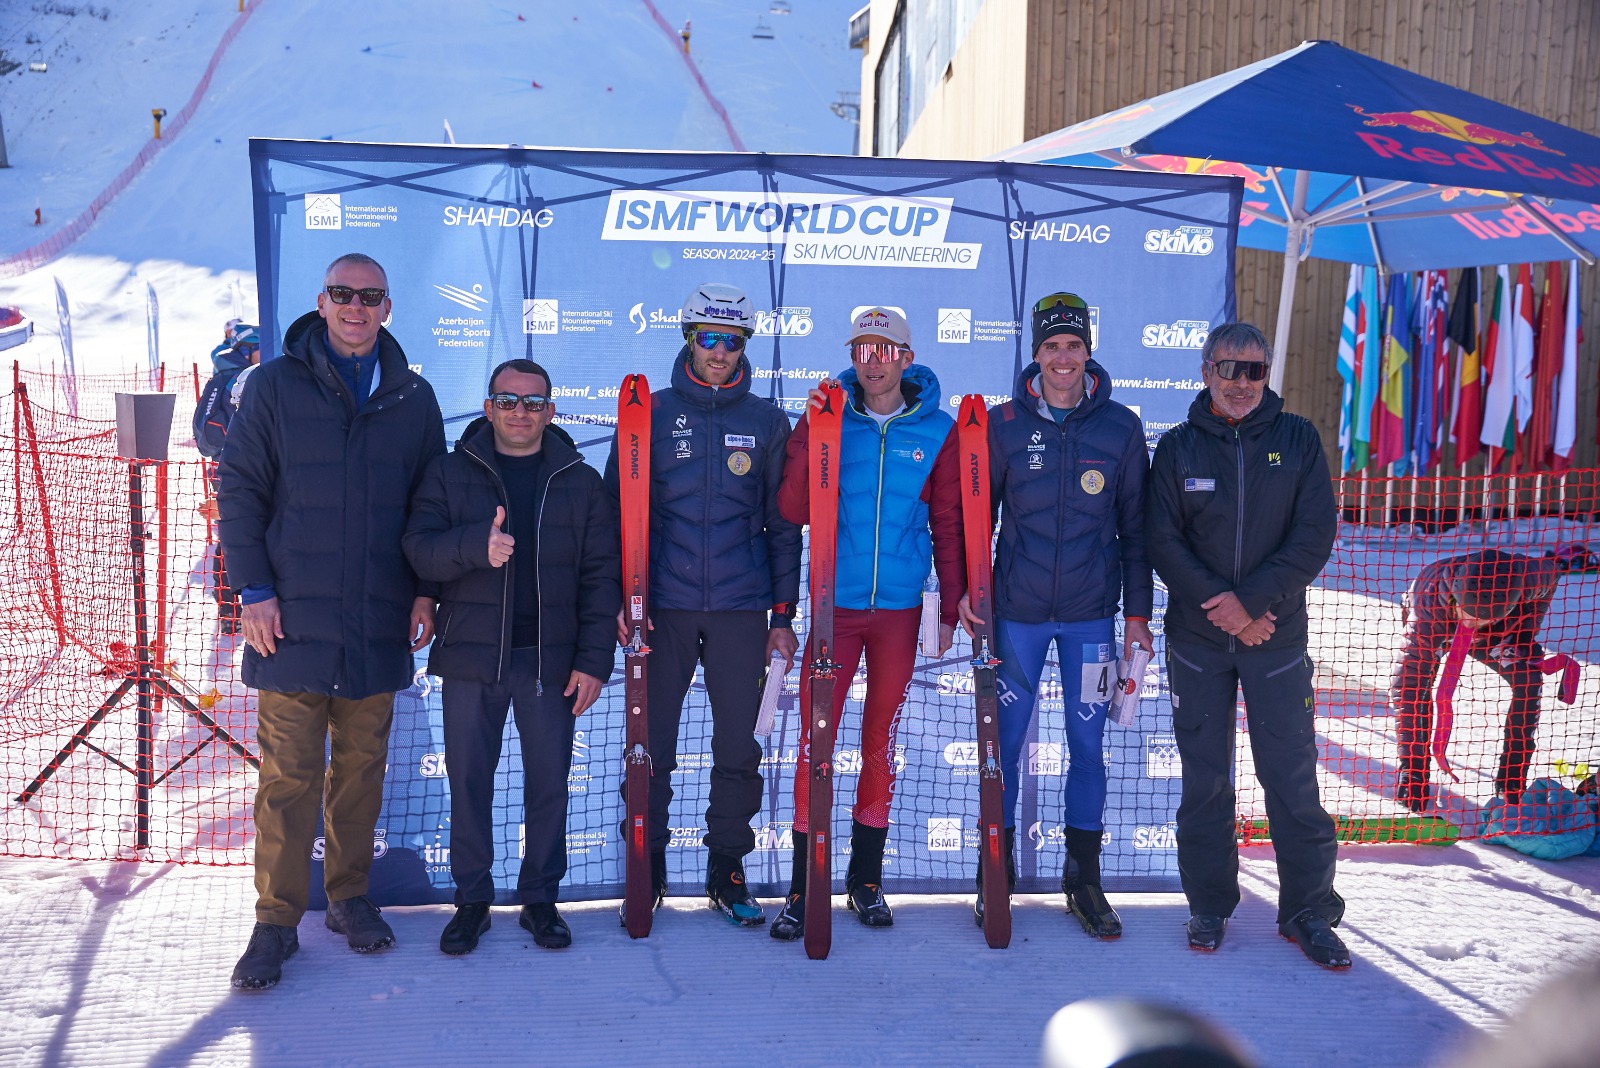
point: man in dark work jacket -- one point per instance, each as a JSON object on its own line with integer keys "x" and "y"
{"x": 522, "y": 538}
{"x": 1240, "y": 520}
{"x": 329, "y": 443}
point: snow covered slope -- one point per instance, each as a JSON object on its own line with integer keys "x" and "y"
{"x": 548, "y": 72}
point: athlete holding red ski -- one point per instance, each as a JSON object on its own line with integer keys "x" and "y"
{"x": 899, "y": 512}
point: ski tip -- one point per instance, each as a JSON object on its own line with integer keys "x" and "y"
{"x": 972, "y": 410}
{"x": 635, "y": 391}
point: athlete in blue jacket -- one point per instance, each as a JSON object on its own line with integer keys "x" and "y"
{"x": 899, "y": 512}
{"x": 721, "y": 557}
{"x": 1068, "y": 466}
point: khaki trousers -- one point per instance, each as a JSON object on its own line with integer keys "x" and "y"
{"x": 293, "y": 731}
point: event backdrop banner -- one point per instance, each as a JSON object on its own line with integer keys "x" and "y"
{"x": 581, "y": 259}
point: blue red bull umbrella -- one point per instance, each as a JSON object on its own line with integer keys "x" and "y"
{"x": 1344, "y": 157}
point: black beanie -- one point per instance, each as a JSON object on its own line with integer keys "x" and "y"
{"x": 1062, "y": 318}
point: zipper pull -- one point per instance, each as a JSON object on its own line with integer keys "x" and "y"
{"x": 538, "y": 688}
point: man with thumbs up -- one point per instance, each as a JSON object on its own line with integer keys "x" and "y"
{"x": 522, "y": 540}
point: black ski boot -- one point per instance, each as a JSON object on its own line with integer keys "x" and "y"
{"x": 728, "y": 894}
{"x": 789, "y": 925}
{"x": 1011, "y": 874}
{"x": 1315, "y": 937}
{"x": 1412, "y": 790}
{"x": 863, "y": 881}
{"x": 1080, "y": 881}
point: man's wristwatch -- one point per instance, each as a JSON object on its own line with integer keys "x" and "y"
{"x": 783, "y": 615}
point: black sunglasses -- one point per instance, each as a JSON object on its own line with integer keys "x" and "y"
{"x": 1250, "y": 370}
{"x": 507, "y": 402}
{"x": 371, "y": 297}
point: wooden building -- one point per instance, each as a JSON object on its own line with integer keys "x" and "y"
{"x": 966, "y": 79}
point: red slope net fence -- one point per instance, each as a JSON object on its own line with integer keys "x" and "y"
{"x": 128, "y": 734}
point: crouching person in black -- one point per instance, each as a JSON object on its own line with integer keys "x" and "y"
{"x": 523, "y": 541}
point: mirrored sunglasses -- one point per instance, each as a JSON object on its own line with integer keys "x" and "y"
{"x": 507, "y": 402}
{"x": 1250, "y": 370}
{"x": 1060, "y": 300}
{"x": 875, "y": 351}
{"x": 371, "y": 297}
{"x": 710, "y": 339}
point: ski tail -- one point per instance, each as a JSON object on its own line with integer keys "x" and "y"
{"x": 826, "y": 428}
{"x": 633, "y": 469}
{"x": 972, "y": 422}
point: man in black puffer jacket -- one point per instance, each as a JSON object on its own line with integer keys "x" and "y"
{"x": 521, "y": 537}
{"x": 1240, "y": 520}
{"x": 329, "y": 444}
{"x": 721, "y": 557}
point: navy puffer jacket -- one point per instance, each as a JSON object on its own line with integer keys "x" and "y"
{"x": 574, "y": 549}
{"x": 717, "y": 540}
{"x": 313, "y": 501}
{"x": 1071, "y": 501}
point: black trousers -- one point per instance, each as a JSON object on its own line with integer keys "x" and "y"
{"x": 732, "y": 649}
{"x": 1280, "y": 710}
{"x": 474, "y": 721}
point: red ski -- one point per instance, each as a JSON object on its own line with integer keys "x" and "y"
{"x": 826, "y": 428}
{"x": 633, "y": 469}
{"x": 978, "y": 525}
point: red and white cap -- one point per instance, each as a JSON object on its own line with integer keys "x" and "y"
{"x": 878, "y": 321}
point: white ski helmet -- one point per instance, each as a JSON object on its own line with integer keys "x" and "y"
{"x": 718, "y": 305}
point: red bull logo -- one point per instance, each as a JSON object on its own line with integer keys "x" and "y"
{"x": 1480, "y": 148}
{"x": 1254, "y": 180}
{"x": 1442, "y": 125}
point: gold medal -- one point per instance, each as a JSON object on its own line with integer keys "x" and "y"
{"x": 1092, "y": 482}
{"x": 739, "y": 462}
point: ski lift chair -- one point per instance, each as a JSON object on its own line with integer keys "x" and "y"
{"x": 780, "y": 7}
{"x": 762, "y": 32}
{"x": 36, "y": 62}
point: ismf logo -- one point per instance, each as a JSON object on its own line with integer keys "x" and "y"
{"x": 955, "y": 326}
{"x": 1442, "y": 125}
{"x": 324, "y": 212}
{"x": 1181, "y": 241}
{"x": 944, "y": 834}
{"x": 541, "y": 316}
{"x": 1044, "y": 758}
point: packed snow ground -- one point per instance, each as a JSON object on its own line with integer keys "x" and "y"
{"x": 115, "y": 963}
{"x": 122, "y": 964}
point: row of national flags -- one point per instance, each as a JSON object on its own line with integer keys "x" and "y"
{"x": 1492, "y": 367}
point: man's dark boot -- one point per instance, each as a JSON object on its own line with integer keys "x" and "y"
{"x": 1011, "y": 874}
{"x": 262, "y": 963}
{"x": 1080, "y": 881}
{"x": 863, "y": 881}
{"x": 461, "y": 934}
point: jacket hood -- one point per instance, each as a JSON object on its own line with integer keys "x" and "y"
{"x": 1201, "y": 415}
{"x": 702, "y": 394}
{"x": 1029, "y": 397}
{"x": 919, "y": 386}
{"x": 478, "y": 439}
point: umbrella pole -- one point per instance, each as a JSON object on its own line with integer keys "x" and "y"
{"x": 1291, "y": 267}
